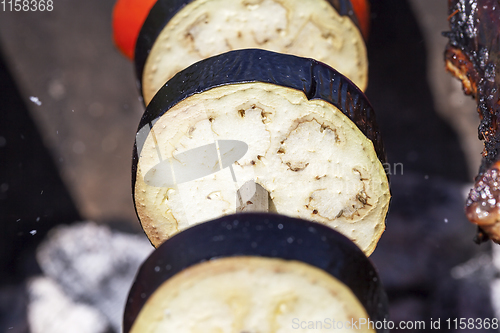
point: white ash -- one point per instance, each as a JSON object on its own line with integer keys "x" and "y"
{"x": 50, "y": 310}
{"x": 94, "y": 265}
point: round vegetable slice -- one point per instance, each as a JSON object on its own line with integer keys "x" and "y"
{"x": 128, "y": 18}
{"x": 255, "y": 273}
{"x": 179, "y": 33}
{"x": 362, "y": 10}
{"x": 294, "y": 126}
{"x": 249, "y": 294}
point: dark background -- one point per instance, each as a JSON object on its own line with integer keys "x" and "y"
{"x": 68, "y": 159}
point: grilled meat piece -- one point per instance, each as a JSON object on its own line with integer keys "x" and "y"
{"x": 473, "y": 56}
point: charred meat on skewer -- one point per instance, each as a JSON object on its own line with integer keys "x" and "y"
{"x": 473, "y": 56}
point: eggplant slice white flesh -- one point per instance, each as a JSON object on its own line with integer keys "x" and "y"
{"x": 255, "y": 273}
{"x": 204, "y": 28}
{"x": 249, "y": 294}
{"x": 294, "y": 131}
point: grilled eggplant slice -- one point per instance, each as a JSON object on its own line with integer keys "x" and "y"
{"x": 255, "y": 273}
{"x": 295, "y": 126}
{"x": 473, "y": 56}
{"x": 178, "y": 33}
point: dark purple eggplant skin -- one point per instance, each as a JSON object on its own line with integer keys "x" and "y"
{"x": 262, "y": 235}
{"x": 164, "y": 10}
{"x": 316, "y": 79}
{"x": 473, "y": 55}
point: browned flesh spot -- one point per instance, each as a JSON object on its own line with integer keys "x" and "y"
{"x": 252, "y": 2}
{"x": 265, "y": 116}
{"x": 362, "y": 197}
{"x": 189, "y": 39}
{"x": 191, "y": 130}
{"x": 297, "y": 166}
